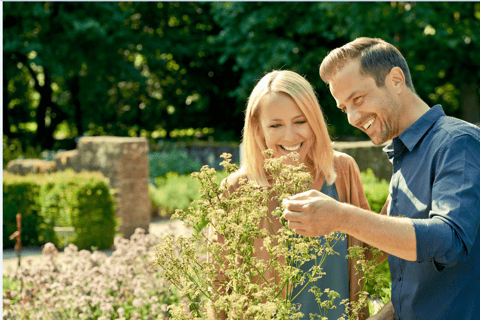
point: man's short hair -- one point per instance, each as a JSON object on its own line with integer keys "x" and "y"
{"x": 377, "y": 57}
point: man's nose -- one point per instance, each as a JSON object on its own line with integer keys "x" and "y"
{"x": 353, "y": 117}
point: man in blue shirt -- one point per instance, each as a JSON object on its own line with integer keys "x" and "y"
{"x": 433, "y": 211}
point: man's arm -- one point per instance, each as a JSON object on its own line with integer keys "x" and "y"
{"x": 313, "y": 214}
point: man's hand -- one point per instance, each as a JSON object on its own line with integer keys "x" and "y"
{"x": 312, "y": 213}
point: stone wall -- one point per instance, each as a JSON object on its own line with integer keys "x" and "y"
{"x": 367, "y": 155}
{"x": 208, "y": 153}
{"x": 26, "y": 166}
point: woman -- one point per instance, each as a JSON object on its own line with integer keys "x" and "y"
{"x": 284, "y": 115}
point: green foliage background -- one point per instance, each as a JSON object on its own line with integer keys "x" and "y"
{"x": 154, "y": 68}
{"x": 177, "y": 161}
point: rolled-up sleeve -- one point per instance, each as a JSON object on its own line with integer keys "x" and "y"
{"x": 454, "y": 219}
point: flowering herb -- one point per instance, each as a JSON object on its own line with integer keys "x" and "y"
{"x": 92, "y": 286}
{"x": 218, "y": 272}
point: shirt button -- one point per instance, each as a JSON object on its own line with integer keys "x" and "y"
{"x": 399, "y": 278}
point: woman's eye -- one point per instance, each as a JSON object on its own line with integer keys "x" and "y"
{"x": 301, "y": 122}
{"x": 274, "y": 126}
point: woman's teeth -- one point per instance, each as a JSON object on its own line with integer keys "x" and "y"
{"x": 368, "y": 124}
{"x": 295, "y": 148}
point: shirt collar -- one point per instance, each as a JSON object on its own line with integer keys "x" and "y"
{"x": 417, "y": 130}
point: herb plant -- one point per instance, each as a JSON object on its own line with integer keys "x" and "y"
{"x": 223, "y": 276}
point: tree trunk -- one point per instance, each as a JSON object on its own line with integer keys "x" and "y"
{"x": 44, "y": 134}
{"x": 469, "y": 102}
{"x": 75, "y": 91}
{"x": 47, "y": 141}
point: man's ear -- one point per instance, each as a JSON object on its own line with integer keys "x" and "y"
{"x": 396, "y": 78}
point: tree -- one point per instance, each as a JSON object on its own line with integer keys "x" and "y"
{"x": 183, "y": 67}
{"x": 260, "y": 37}
{"x": 66, "y": 52}
{"x": 138, "y": 68}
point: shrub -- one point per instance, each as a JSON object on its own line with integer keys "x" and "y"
{"x": 21, "y": 195}
{"x": 176, "y": 191}
{"x": 91, "y": 286}
{"x": 376, "y": 191}
{"x": 171, "y": 161}
{"x": 65, "y": 199}
{"x": 12, "y": 149}
{"x": 83, "y": 201}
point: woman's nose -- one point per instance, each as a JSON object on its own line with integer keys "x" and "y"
{"x": 290, "y": 133}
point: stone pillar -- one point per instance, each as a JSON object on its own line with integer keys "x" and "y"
{"x": 124, "y": 161}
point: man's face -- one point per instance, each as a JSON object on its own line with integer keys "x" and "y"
{"x": 374, "y": 110}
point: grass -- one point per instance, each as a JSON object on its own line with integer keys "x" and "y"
{"x": 10, "y": 284}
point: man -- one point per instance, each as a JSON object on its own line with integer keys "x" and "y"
{"x": 433, "y": 209}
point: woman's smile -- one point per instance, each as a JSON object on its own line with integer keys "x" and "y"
{"x": 284, "y": 126}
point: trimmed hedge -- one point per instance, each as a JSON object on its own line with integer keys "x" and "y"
{"x": 20, "y": 195}
{"x": 64, "y": 199}
{"x": 376, "y": 191}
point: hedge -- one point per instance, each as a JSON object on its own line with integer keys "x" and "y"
{"x": 20, "y": 195}
{"x": 83, "y": 201}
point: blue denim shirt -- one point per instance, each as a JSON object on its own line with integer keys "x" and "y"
{"x": 436, "y": 183}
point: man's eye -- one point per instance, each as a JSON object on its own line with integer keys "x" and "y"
{"x": 358, "y": 99}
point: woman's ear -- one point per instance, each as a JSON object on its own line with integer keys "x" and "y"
{"x": 260, "y": 132}
{"x": 259, "y": 135}
{"x": 396, "y": 78}
{"x": 258, "y": 127}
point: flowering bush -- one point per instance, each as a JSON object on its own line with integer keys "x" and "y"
{"x": 231, "y": 280}
{"x": 86, "y": 285}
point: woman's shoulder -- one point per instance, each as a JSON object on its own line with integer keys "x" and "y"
{"x": 343, "y": 161}
{"x": 234, "y": 179}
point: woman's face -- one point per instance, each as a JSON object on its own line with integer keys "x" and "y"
{"x": 284, "y": 126}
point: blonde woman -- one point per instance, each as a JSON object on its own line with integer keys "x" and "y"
{"x": 283, "y": 114}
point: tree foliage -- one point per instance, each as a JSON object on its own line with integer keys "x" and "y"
{"x": 146, "y": 68}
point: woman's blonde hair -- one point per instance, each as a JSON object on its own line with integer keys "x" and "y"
{"x": 300, "y": 90}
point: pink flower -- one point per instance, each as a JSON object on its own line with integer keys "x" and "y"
{"x": 50, "y": 250}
